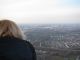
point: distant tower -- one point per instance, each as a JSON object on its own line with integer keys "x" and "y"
{"x": 77, "y": 58}
{"x": 66, "y": 58}
{"x": 40, "y": 44}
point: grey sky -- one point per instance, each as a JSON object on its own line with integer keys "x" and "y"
{"x": 40, "y": 11}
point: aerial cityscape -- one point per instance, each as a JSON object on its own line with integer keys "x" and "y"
{"x": 54, "y": 41}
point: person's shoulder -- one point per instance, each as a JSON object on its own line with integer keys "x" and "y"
{"x": 22, "y": 40}
{"x": 16, "y": 41}
{"x": 12, "y": 39}
{"x": 27, "y": 43}
{"x": 31, "y": 48}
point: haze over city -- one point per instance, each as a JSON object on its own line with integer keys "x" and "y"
{"x": 41, "y": 11}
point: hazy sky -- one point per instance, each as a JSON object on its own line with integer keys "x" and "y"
{"x": 40, "y": 11}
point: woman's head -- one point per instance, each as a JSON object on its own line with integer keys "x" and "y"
{"x": 9, "y": 28}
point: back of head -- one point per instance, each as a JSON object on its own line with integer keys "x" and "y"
{"x": 10, "y": 29}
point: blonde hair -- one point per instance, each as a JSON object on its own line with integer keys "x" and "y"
{"x": 9, "y": 28}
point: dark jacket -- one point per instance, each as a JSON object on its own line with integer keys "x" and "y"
{"x": 16, "y": 49}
